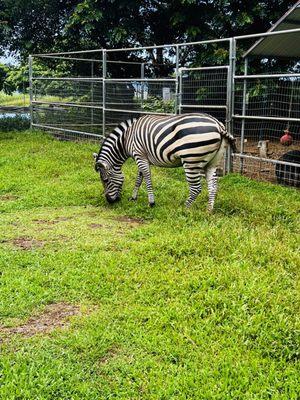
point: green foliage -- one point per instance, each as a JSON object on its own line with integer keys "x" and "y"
{"x": 3, "y": 75}
{"x": 37, "y": 26}
{"x": 185, "y": 305}
{"x": 14, "y": 123}
{"x": 16, "y": 79}
{"x": 156, "y": 104}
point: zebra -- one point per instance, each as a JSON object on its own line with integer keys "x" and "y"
{"x": 196, "y": 142}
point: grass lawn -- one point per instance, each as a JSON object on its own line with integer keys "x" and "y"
{"x": 16, "y": 99}
{"x": 174, "y": 303}
{"x": 21, "y": 100}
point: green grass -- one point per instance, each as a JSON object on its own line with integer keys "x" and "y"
{"x": 184, "y": 306}
{"x": 16, "y": 99}
{"x": 21, "y": 100}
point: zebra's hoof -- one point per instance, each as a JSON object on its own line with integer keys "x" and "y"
{"x": 133, "y": 198}
{"x": 151, "y": 204}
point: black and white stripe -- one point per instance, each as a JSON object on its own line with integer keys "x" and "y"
{"x": 195, "y": 141}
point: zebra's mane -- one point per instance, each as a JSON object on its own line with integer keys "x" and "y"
{"x": 123, "y": 126}
{"x": 118, "y": 131}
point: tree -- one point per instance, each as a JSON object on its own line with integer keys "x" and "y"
{"x": 3, "y": 75}
{"x": 61, "y": 25}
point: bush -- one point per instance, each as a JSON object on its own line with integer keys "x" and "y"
{"x": 14, "y": 123}
{"x": 156, "y": 104}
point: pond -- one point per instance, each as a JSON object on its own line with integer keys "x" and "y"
{"x": 24, "y": 115}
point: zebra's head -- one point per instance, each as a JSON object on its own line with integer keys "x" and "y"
{"x": 108, "y": 162}
{"x": 112, "y": 179}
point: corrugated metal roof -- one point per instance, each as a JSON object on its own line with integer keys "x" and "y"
{"x": 286, "y": 45}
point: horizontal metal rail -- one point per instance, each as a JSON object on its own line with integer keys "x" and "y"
{"x": 203, "y": 106}
{"x": 57, "y": 103}
{"x": 267, "y": 160}
{"x": 262, "y": 76}
{"x": 255, "y": 35}
{"x": 92, "y": 60}
{"x": 68, "y": 52}
{"x": 273, "y": 33}
{"x": 160, "y": 46}
{"x": 140, "y": 80}
{"x": 47, "y": 78}
{"x": 67, "y": 130}
{"x": 70, "y": 58}
{"x": 75, "y": 124}
{"x": 204, "y": 68}
{"x": 266, "y": 118}
{"x": 65, "y": 78}
{"x": 121, "y": 104}
{"x": 136, "y": 111}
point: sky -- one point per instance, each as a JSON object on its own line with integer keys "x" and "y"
{"x": 8, "y": 59}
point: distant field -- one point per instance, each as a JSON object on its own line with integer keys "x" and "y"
{"x": 17, "y": 99}
{"x": 163, "y": 303}
{"x": 21, "y": 100}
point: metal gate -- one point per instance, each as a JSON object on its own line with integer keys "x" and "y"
{"x": 206, "y": 89}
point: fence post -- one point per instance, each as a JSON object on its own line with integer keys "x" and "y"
{"x": 142, "y": 83}
{"x": 103, "y": 89}
{"x": 243, "y": 113}
{"x": 230, "y": 99}
{"x": 30, "y": 62}
{"x": 92, "y": 93}
{"x": 177, "y": 87}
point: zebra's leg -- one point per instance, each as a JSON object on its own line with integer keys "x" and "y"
{"x": 138, "y": 182}
{"x": 193, "y": 177}
{"x": 144, "y": 169}
{"x": 212, "y": 185}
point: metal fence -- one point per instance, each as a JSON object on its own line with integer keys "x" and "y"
{"x": 89, "y": 92}
{"x": 266, "y": 114}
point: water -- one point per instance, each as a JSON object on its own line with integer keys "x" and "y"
{"x": 24, "y": 115}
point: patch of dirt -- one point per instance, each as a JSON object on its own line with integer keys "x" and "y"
{"x": 51, "y": 222}
{"x": 54, "y": 316}
{"x": 92, "y": 213}
{"x": 95, "y": 226}
{"x": 44, "y": 221}
{"x": 130, "y": 220}
{"x": 25, "y": 243}
{"x": 59, "y": 219}
{"x": 109, "y": 355}
{"x": 8, "y": 197}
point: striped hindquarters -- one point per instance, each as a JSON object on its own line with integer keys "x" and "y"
{"x": 170, "y": 141}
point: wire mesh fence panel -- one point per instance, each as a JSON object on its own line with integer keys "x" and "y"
{"x": 77, "y": 119}
{"x": 144, "y": 62}
{"x": 220, "y": 114}
{"x": 86, "y": 94}
{"x": 272, "y": 97}
{"x": 204, "y": 87}
{"x": 279, "y": 171}
{"x": 63, "y": 90}
{"x": 144, "y": 95}
{"x": 271, "y": 132}
{"x": 204, "y": 90}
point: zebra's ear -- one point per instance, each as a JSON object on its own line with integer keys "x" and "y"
{"x": 95, "y": 155}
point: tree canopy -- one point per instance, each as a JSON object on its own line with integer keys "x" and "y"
{"x": 33, "y": 26}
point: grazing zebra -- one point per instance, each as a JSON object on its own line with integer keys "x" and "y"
{"x": 195, "y": 141}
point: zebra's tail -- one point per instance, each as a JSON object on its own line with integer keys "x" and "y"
{"x": 231, "y": 140}
{"x": 229, "y": 137}
{"x": 225, "y": 134}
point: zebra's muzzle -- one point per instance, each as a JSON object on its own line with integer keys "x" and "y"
{"x": 112, "y": 199}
